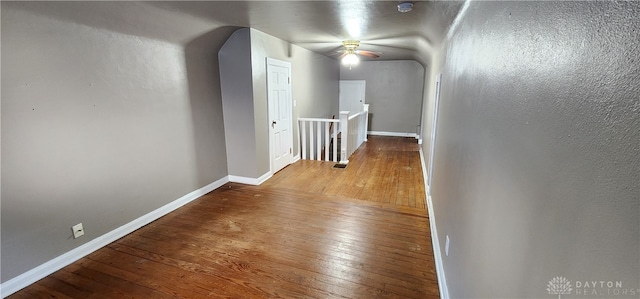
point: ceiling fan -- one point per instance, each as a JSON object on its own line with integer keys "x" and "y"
{"x": 350, "y": 53}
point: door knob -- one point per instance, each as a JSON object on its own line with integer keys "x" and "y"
{"x": 273, "y": 123}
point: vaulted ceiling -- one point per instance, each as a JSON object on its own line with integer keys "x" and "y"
{"x": 321, "y": 26}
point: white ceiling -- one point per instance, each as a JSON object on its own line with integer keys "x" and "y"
{"x": 320, "y": 26}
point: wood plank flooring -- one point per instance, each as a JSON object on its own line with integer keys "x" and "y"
{"x": 284, "y": 239}
{"x": 384, "y": 169}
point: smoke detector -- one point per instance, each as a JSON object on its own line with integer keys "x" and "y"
{"x": 405, "y": 7}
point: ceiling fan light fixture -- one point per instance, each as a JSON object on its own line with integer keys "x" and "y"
{"x": 405, "y": 7}
{"x": 350, "y": 60}
{"x": 351, "y": 44}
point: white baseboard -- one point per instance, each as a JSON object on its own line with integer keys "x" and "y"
{"x": 25, "y": 279}
{"x": 296, "y": 158}
{"x": 250, "y": 181}
{"x": 394, "y": 134}
{"x": 442, "y": 281}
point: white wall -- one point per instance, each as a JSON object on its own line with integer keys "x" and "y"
{"x": 536, "y": 169}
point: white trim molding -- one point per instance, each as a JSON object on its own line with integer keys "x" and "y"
{"x": 442, "y": 281}
{"x": 250, "y": 181}
{"x": 25, "y": 279}
{"x": 394, "y": 134}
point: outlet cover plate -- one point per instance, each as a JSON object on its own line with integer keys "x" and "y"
{"x": 78, "y": 230}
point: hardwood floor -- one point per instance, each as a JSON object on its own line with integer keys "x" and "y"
{"x": 385, "y": 169}
{"x": 296, "y": 236}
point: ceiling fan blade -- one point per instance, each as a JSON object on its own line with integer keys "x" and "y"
{"x": 371, "y": 54}
{"x": 343, "y": 55}
{"x": 340, "y": 53}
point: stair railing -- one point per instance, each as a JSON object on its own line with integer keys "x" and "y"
{"x": 320, "y": 137}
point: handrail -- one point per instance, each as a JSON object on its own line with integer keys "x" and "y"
{"x": 319, "y": 119}
{"x": 357, "y": 114}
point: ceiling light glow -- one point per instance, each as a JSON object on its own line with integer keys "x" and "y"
{"x": 354, "y": 16}
{"x": 354, "y": 28}
{"x": 350, "y": 60}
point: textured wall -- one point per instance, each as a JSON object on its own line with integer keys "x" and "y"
{"x": 394, "y": 93}
{"x": 538, "y": 149}
{"x": 99, "y": 126}
{"x": 314, "y": 86}
{"x": 314, "y": 89}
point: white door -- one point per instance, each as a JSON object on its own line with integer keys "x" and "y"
{"x": 352, "y": 95}
{"x": 434, "y": 127}
{"x": 280, "y": 113}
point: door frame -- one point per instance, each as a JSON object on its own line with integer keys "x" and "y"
{"x": 434, "y": 127}
{"x": 287, "y": 65}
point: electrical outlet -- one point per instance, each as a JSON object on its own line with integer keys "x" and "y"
{"x": 446, "y": 246}
{"x": 78, "y": 230}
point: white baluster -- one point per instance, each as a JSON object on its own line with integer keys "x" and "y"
{"x": 344, "y": 130}
{"x": 319, "y": 141}
{"x": 326, "y": 141}
{"x": 303, "y": 140}
{"x": 311, "y": 153}
{"x": 336, "y": 129}
{"x": 366, "y": 121}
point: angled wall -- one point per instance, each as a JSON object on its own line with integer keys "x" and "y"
{"x": 537, "y": 152}
{"x": 237, "y": 102}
